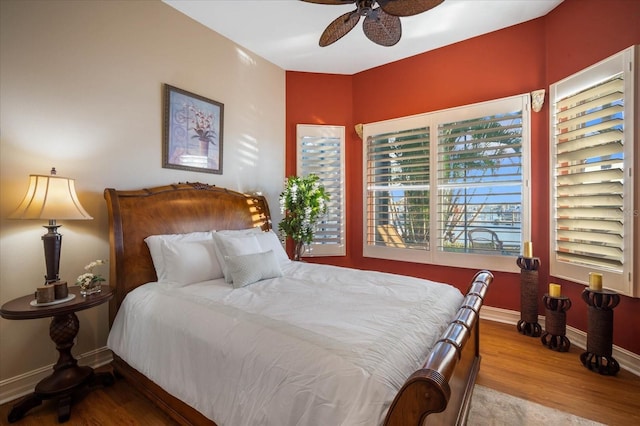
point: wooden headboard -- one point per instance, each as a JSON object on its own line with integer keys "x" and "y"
{"x": 172, "y": 209}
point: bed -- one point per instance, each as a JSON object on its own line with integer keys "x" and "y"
{"x": 387, "y": 381}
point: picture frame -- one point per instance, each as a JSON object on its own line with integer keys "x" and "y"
{"x": 192, "y": 131}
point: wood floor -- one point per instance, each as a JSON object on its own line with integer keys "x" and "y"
{"x": 511, "y": 363}
{"x": 523, "y": 367}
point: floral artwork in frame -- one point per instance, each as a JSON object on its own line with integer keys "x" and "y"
{"x": 192, "y": 132}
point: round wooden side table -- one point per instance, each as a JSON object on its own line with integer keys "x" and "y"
{"x": 68, "y": 377}
{"x": 598, "y": 356}
{"x": 555, "y": 327}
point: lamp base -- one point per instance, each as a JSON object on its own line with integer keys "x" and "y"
{"x": 52, "y": 242}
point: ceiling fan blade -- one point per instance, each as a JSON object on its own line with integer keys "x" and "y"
{"x": 382, "y": 28}
{"x": 339, "y": 28}
{"x": 407, "y": 7}
{"x": 338, "y": 2}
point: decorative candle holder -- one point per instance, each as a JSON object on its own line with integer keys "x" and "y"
{"x": 598, "y": 356}
{"x": 528, "y": 324}
{"x": 555, "y": 327}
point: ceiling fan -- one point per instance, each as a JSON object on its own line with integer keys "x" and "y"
{"x": 381, "y": 24}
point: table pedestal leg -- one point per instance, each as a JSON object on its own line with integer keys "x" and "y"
{"x": 67, "y": 378}
{"x": 21, "y": 408}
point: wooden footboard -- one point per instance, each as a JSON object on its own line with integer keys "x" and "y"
{"x": 440, "y": 392}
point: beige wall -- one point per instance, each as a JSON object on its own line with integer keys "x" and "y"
{"x": 80, "y": 89}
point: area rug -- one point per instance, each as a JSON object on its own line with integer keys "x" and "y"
{"x": 492, "y": 408}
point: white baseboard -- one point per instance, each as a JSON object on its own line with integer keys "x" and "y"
{"x": 627, "y": 359}
{"x": 18, "y": 386}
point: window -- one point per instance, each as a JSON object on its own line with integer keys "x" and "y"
{"x": 480, "y": 184}
{"x": 398, "y": 176}
{"x": 592, "y": 152}
{"x": 449, "y": 186}
{"x": 321, "y": 152}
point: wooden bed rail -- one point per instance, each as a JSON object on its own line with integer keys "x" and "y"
{"x": 428, "y": 390}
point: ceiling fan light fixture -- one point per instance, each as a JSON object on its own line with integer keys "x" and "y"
{"x": 381, "y": 25}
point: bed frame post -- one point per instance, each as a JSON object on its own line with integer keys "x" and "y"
{"x": 441, "y": 391}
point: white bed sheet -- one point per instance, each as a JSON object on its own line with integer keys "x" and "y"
{"x": 322, "y": 345}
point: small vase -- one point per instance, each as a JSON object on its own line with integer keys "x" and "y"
{"x": 298, "y": 250}
{"x": 91, "y": 287}
{"x": 204, "y": 147}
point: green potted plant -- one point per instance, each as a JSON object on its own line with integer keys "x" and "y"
{"x": 302, "y": 202}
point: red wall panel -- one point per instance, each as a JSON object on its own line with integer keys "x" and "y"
{"x": 495, "y": 65}
{"x": 324, "y": 99}
{"x": 581, "y": 33}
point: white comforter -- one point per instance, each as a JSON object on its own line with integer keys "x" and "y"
{"x": 322, "y": 345}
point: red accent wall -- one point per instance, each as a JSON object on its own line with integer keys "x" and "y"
{"x": 326, "y": 99}
{"x": 512, "y": 61}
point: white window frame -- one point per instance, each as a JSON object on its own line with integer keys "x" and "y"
{"x": 625, "y": 62}
{"x": 431, "y": 120}
{"x": 336, "y": 209}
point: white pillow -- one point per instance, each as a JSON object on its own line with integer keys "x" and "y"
{"x": 154, "y": 244}
{"x": 234, "y": 244}
{"x": 269, "y": 241}
{"x": 190, "y": 262}
{"x": 250, "y": 268}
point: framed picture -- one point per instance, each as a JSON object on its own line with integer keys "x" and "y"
{"x": 192, "y": 132}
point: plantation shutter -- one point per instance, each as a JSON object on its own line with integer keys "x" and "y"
{"x": 397, "y": 174}
{"x": 589, "y": 176}
{"x": 480, "y": 184}
{"x": 431, "y": 179}
{"x": 321, "y": 152}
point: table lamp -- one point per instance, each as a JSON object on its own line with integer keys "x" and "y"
{"x": 51, "y": 198}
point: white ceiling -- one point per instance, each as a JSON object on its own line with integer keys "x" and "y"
{"x": 286, "y": 32}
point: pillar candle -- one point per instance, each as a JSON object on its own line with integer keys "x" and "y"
{"x": 528, "y": 249}
{"x": 554, "y": 290}
{"x": 45, "y": 294}
{"x": 60, "y": 290}
{"x": 595, "y": 281}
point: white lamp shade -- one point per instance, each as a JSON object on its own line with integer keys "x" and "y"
{"x": 50, "y": 197}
